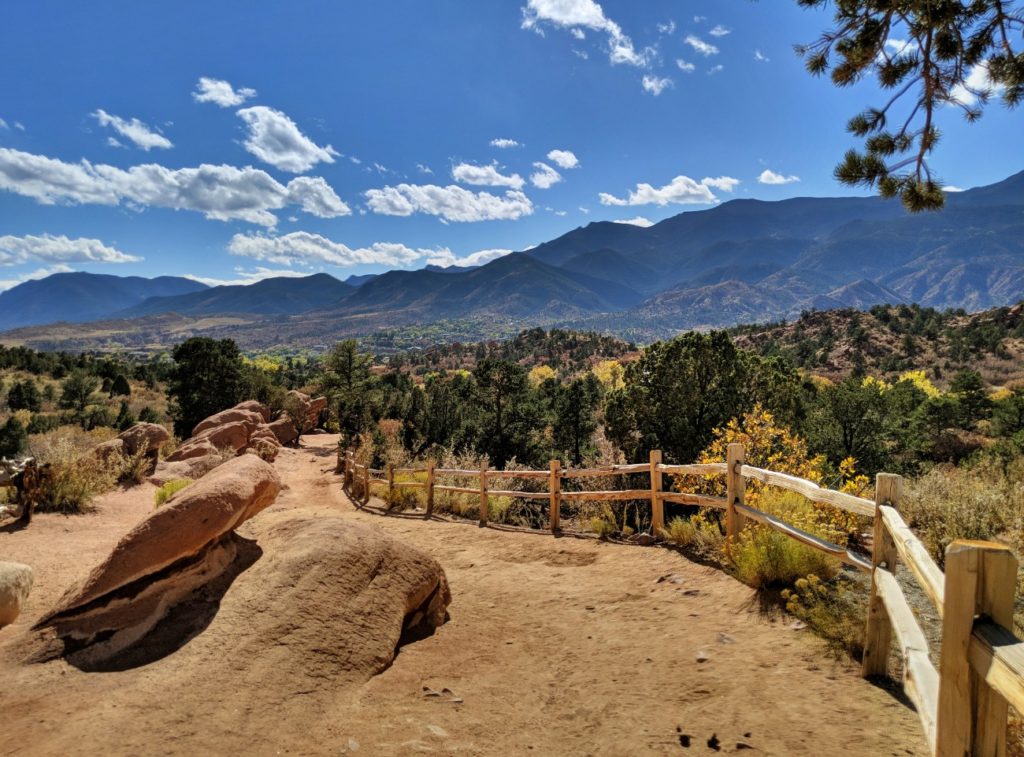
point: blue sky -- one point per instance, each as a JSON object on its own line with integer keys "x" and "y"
{"x": 230, "y": 140}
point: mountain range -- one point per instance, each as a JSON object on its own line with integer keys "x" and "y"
{"x": 741, "y": 261}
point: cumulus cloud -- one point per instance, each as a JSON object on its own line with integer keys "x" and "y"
{"x": 569, "y": 14}
{"x": 952, "y": 188}
{"x": 486, "y": 176}
{"x": 451, "y": 203}
{"x": 682, "y": 190}
{"x": 685, "y": 66}
{"x": 667, "y": 28}
{"x": 655, "y": 84}
{"x": 978, "y": 82}
{"x": 220, "y": 192}
{"x": 136, "y": 131}
{"x": 724, "y": 183}
{"x": 702, "y": 47}
{"x": 770, "y": 177}
{"x": 47, "y": 248}
{"x": 720, "y": 31}
{"x": 220, "y": 93}
{"x": 564, "y": 158}
{"x": 445, "y": 258}
{"x": 504, "y": 144}
{"x": 424, "y": 168}
{"x": 545, "y": 176}
{"x": 636, "y": 221}
{"x": 307, "y": 249}
{"x": 275, "y": 139}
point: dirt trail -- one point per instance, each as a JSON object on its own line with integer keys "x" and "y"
{"x": 554, "y": 646}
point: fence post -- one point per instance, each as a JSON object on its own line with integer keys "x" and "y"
{"x": 366, "y": 484}
{"x": 555, "y": 495}
{"x": 391, "y": 483}
{"x": 657, "y": 503}
{"x": 981, "y": 579}
{"x": 734, "y": 485}
{"x": 878, "y": 629}
{"x": 483, "y": 495}
{"x": 430, "y": 488}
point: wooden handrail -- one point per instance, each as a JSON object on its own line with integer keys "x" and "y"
{"x": 695, "y": 469}
{"x": 811, "y": 490}
{"x": 809, "y": 539}
{"x": 915, "y": 555}
{"x": 997, "y": 655}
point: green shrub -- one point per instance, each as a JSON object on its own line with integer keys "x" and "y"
{"x": 762, "y": 557}
{"x": 72, "y": 478}
{"x": 168, "y": 490}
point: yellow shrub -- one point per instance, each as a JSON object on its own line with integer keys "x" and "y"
{"x": 168, "y": 490}
{"x": 611, "y": 374}
{"x": 541, "y": 373}
{"x": 834, "y": 610}
{"x": 921, "y": 381}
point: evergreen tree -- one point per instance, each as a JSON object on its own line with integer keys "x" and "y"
{"x": 507, "y": 412}
{"x": 148, "y": 415}
{"x": 12, "y": 438}
{"x": 969, "y": 389}
{"x": 24, "y": 395}
{"x": 125, "y": 417}
{"x": 120, "y": 387}
{"x": 943, "y": 42}
{"x": 207, "y": 377}
{"x": 575, "y": 422}
{"x": 77, "y": 393}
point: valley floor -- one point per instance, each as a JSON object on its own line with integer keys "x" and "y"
{"x": 554, "y": 646}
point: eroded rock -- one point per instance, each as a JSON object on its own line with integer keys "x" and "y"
{"x": 15, "y": 586}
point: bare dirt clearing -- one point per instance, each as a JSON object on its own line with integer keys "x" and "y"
{"x": 554, "y": 646}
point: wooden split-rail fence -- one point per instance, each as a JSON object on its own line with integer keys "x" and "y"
{"x": 963, "y": 703}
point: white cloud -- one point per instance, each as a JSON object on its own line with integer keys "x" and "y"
{"x": 564, "y": 158}
{"x": 716, "y": 69}
{"x": 699, "y": 19}
{"x": 3, "y": 124}
{"x": 720, "y": 31}
{"x": 588, "y": 14}
{"x": 275, "y": 139}
{"x": 486, "y": 176}
{"x": 245, "y": 277}
{"x": 134, "y": 130}
{"x": 578, "y": 33}
{"x": 424, "y": 169}
{"x": 770, "y": 177}
{"x": 655, "y": 85}
{"x": 355, "y": 160}
{"x": 636, "y": 221}
{"x": 952, "y": 188}
{"x": 977, "y": 82}
{"x": 545, "y": 176}
{"x": 221, "y": 193}
{"x": 759, "y": 56}
{"x": 667, "y": 28}
{"x": 724, "y": 183}
{"x": 445, "y": 258}
{"x": 307, "y": 249}
{"x": 40, "y": 273}
{"x": 702, "y": 47}
{"x": 48, "y": 248}
{"x": 18, "y": 125}
{"x": 682, "y": 190}
{"x": 451, "y": 203}
{"x": 584, "y": 210}
{"x": 221, "y": 93}
{"x": 504, "y": 144}
{"x": 684, "y": 66}
{"x": 112, "y": 142}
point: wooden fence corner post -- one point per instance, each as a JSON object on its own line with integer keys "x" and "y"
{"x": 483, "y": 495}
{"x": 734, "y": 486}
{"x": 980, "y": 580}
{"x": 555, "y": 495}
{"x": 366, "y": 484}
{"x": 430, "y": 488}
{"x": 878, "y": 629}
{"x": 391, "y": 483}
{"x": 657, "y": 503}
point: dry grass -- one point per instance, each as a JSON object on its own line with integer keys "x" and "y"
{"x": 168, "y": 490}
{"x": 72, "y": 483}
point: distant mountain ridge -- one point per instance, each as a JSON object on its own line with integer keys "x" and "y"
{"x": 738, "y": 262}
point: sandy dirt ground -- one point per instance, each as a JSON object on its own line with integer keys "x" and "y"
{"x": 554, "y": 646}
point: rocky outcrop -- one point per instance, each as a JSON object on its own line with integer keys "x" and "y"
{"x": 284, "y": 430}
{"x": 305, "y": 410}
{"x": 15, "y": 586}
{"x": 161, "y": 561}
{"x": 144, "y": 438}
{"x": 256, "y": 407}
{"x": 249, "y": 418}
{"x": 193, "y": 468}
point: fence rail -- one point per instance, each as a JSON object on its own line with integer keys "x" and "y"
{"x": 963, "y": 703}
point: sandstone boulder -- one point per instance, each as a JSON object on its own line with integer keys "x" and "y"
{"x": 144, "y": 438}
{"x": 193, "y": 448}
{"x": 193, "y": 468}
{"x": 264, "y": 433}
{"x": 15, "y": 585}
{"x": 109, "y": 451}
{"x": 284, "y": 430}
{"x": 249, "y": 418}
{"x": 233, "y": 435}
{"x": 256, "y": 407}
{"x": 180, "y": 530}
{"x": 265, "y": 449}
